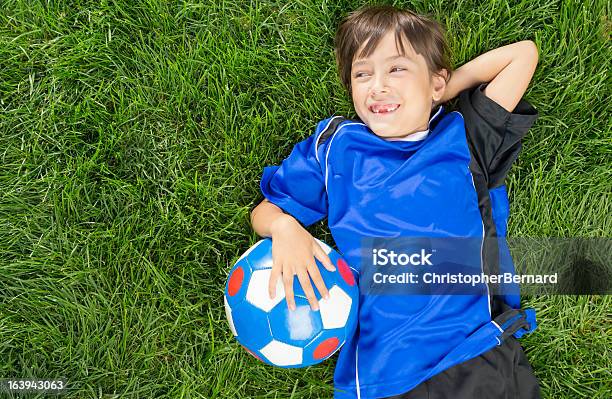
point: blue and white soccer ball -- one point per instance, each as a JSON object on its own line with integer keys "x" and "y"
{"x": 271, "y": 332}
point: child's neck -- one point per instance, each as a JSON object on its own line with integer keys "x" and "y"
{"x": 414, "y": 136}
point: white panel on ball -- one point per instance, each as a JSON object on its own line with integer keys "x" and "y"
{"x": 325, "y": 247}
{"x": 257, "y": 292}
{"x": 336, "y": 309}
{"x": 299, "y": 322}
{"x": 228, "y": 313}
{"x": 282, "y": 354}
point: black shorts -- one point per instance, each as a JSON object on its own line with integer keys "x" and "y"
{"x": 501, "y": 373}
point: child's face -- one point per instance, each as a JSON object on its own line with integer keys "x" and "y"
{"x": 401, "y": 85}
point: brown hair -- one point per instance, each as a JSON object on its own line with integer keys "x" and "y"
{"x": 371, "y": 23}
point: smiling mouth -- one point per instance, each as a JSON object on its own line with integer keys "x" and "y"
{"x": 385, "y": 109}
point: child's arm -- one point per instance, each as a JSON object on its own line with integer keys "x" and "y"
{"x": 264, "y": 216}
{"x": 509, "y": 70}
{"x": 295, "y": 198}
{"x": 293, "y": 253}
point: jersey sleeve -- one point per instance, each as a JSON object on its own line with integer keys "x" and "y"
{"x": 297, "y": 185}
{"x": 494, "y": 134}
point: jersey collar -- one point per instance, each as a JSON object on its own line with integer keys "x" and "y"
{"x": 420, "y": 135}
{"x": 416, "y": 136}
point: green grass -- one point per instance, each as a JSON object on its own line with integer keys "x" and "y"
{"x": 132, "y": 138}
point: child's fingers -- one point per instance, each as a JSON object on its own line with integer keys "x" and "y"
{"x": 288, "y": 283}
{"x": 315, "y": 275}
{"x": 276, "y": 271}
{"x": 307, "y": 287}
{"x": 320, "y": 254}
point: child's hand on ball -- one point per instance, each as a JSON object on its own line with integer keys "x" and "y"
{"x": 293, "y": 253}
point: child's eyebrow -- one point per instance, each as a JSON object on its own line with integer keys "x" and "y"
{"x": 394, "y": 57}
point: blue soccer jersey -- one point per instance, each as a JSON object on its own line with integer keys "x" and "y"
{"x": 449, "y": 183}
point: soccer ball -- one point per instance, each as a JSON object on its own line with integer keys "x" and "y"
{"x": 271, "y": 332}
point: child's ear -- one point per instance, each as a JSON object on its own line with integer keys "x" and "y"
{"x": 439, "y": 84}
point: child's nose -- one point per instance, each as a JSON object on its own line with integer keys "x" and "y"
{"x": 379, "y": 85}
{"x": 378, "y": 91}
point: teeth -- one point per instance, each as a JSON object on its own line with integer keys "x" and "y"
{"x": 385, "y": 109}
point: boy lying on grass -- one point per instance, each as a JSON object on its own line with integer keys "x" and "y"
{"x": 405, "y": 167}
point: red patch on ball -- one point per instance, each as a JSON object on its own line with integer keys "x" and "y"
{"x": 252, "y": 353}
{"x": 345, "y": 272}
{"x": 235, "y": 281}
{"x": 325, "y": 348}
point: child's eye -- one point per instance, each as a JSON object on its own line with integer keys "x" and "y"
{"x": 361, "y": 74}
